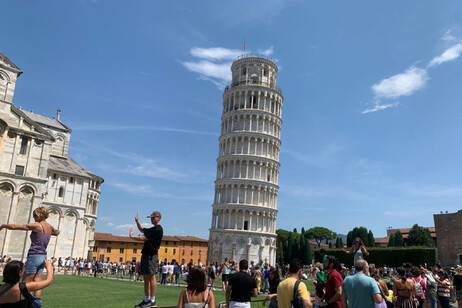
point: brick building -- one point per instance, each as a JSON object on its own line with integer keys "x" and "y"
{"x": 449, "y": 229}
{"x": 113, "y": 248}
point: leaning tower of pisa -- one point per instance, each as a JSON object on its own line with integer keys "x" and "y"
{"x": 246, "y": 186}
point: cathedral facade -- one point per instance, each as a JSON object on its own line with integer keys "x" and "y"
{"x": 36, "y": 170}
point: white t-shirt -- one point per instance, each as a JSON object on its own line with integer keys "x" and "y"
{"x": 165, "y": 269}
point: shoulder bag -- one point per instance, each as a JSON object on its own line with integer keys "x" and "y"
{"x": 32, "y": 301}
{"x": 296, "y": 301}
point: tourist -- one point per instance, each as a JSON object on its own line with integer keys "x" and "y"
{"x": 285, "y": 291}
{"x": 266, "y": 278}
{"x": 403, "y": 290}
{"x": 149, "y": 258}
{"x": 164, "y": 273}
{"x": 40, "y": 237}
{"x": 357, "y": 249}
{"x": 257, "y": 275}
{"x": 196, "y": 293}
{"x": 333, "y": 297}
{"x": 443, "y": 291}
{"x": 177, "y": 272}
{"x": 273, "y": 283}
{"x": 361, "y": 291}
{"x": 457, "y": 283}
{"x": 430, "y": 293}
{"x": 241, "y": 287}
{"x": 211, "y": 273}
{"x": 11, "y": 295}
{"x": 225, "y": 274}
{"x": 170, "y": 273}
{"x": 420, "y": 285}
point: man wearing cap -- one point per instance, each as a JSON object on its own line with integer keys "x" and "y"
{"x": 149, "y": 259}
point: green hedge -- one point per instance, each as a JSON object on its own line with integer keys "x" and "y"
{"x": 387, "y": 256}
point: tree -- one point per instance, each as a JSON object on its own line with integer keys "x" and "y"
{"x": 302, "y": 249}
{"x": 290, "y": 246}
{"x": 399, "y": 240}
{"x": 350, "y": 238}
{"x": 391, "y": 240}
{"x": 279, "y": 251}
{"x": 330, "y": 244}
{"x": 319, "y": 234}
{"x": 308, "y": 254}
{"x": 370, "y": 239}
{"x": 338, "y": 242}
{"x": 419, "y": 236}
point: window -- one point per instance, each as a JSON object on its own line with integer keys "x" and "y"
{"x": 183, "y": 252}
{"x": 23, "y": 149}
{"x": 135, "y": 250}
{"x": 243, "y": 71}
{"x": 121, "y": 260}
{"x": 61, "y": 192}
{"x": 71, "y": 180}
{"x": 166, "y": 250}
{"x": 246, "y": 225}
{"x": 184, "y": 244}
{"x": 55, "y": 176}
{"x": 95, "y": 249}
{"x": 174, "y": 251}
{"x": 174, "y": 243}
{"x": 108, "y": 259}
{"x": 19, "y": 170}
{"x": 192, "y": 245}
{"x": 108, "y": 250}
{"x": 134, "y": 259}
{"x": 191, "y": 252}
{"x": 166, "y": 242}
{"x": 121, "y": 250}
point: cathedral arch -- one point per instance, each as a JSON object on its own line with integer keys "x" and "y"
{"x": 7, "y": 186}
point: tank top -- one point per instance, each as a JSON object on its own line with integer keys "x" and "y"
{"x": 20, "y": 304}
{"x": 197, "y": 305}
{"x": 358, "y": 254}
{"x": 39, "y": 242}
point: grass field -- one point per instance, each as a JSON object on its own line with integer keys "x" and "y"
{"x": 68, "y": 291}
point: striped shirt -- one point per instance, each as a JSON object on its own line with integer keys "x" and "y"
{"x": 444, "y": 288}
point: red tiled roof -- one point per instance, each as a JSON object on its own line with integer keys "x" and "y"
{"x": 108, "y": 237}
{"x": 405, "y": 231}
{"x": 381, "y": 240}
{"x": 190, "y": 239}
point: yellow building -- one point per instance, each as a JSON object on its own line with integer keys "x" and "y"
{"x": 113, "y": 248}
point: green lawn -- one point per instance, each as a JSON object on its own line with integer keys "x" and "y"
{"x": 68, "y": 291}
{"x": 74, "y": 291}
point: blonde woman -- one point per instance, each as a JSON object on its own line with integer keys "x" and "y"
{"x": 40, "y": 237}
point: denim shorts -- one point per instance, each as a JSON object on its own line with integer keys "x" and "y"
{"x": 35, "y": 264}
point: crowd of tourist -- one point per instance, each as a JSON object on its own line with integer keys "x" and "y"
{"x": 336, "y": 286}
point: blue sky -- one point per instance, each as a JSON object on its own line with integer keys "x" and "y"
{"x": 371, "y": 118}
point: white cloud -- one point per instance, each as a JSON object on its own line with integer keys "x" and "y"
{"x": 449, "y": 54}
{"x": 213, "y": 64}
{"x": 128, "y": 226}
{"x": 378, "y": 106}
{"x": 404, "y": 84}
{"x": 112, "y": 127}
{"x": 447, "y": 36}
{"x": 143, "y": 190}
{"x": 110, "y": 224}
{"x": 412, "y": 80}
{"x": 220, "y": 72}
{"x": 216, "y": 53}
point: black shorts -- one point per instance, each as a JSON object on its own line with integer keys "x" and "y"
{"x": 225, "y": 277}
{"x": 148, "y": 264}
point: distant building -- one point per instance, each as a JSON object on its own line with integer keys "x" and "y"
{"x": 36, "y": 170}
{"x": 383, "y": 241}
{"x": 113, "y": 248}
{"x": 449, "y": 229}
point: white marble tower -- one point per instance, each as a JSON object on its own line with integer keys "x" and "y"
{"x": 246, "y": 187}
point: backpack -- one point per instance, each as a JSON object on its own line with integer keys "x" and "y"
{"x": 296, "y": 301}
{"x": 418, "y": 287}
